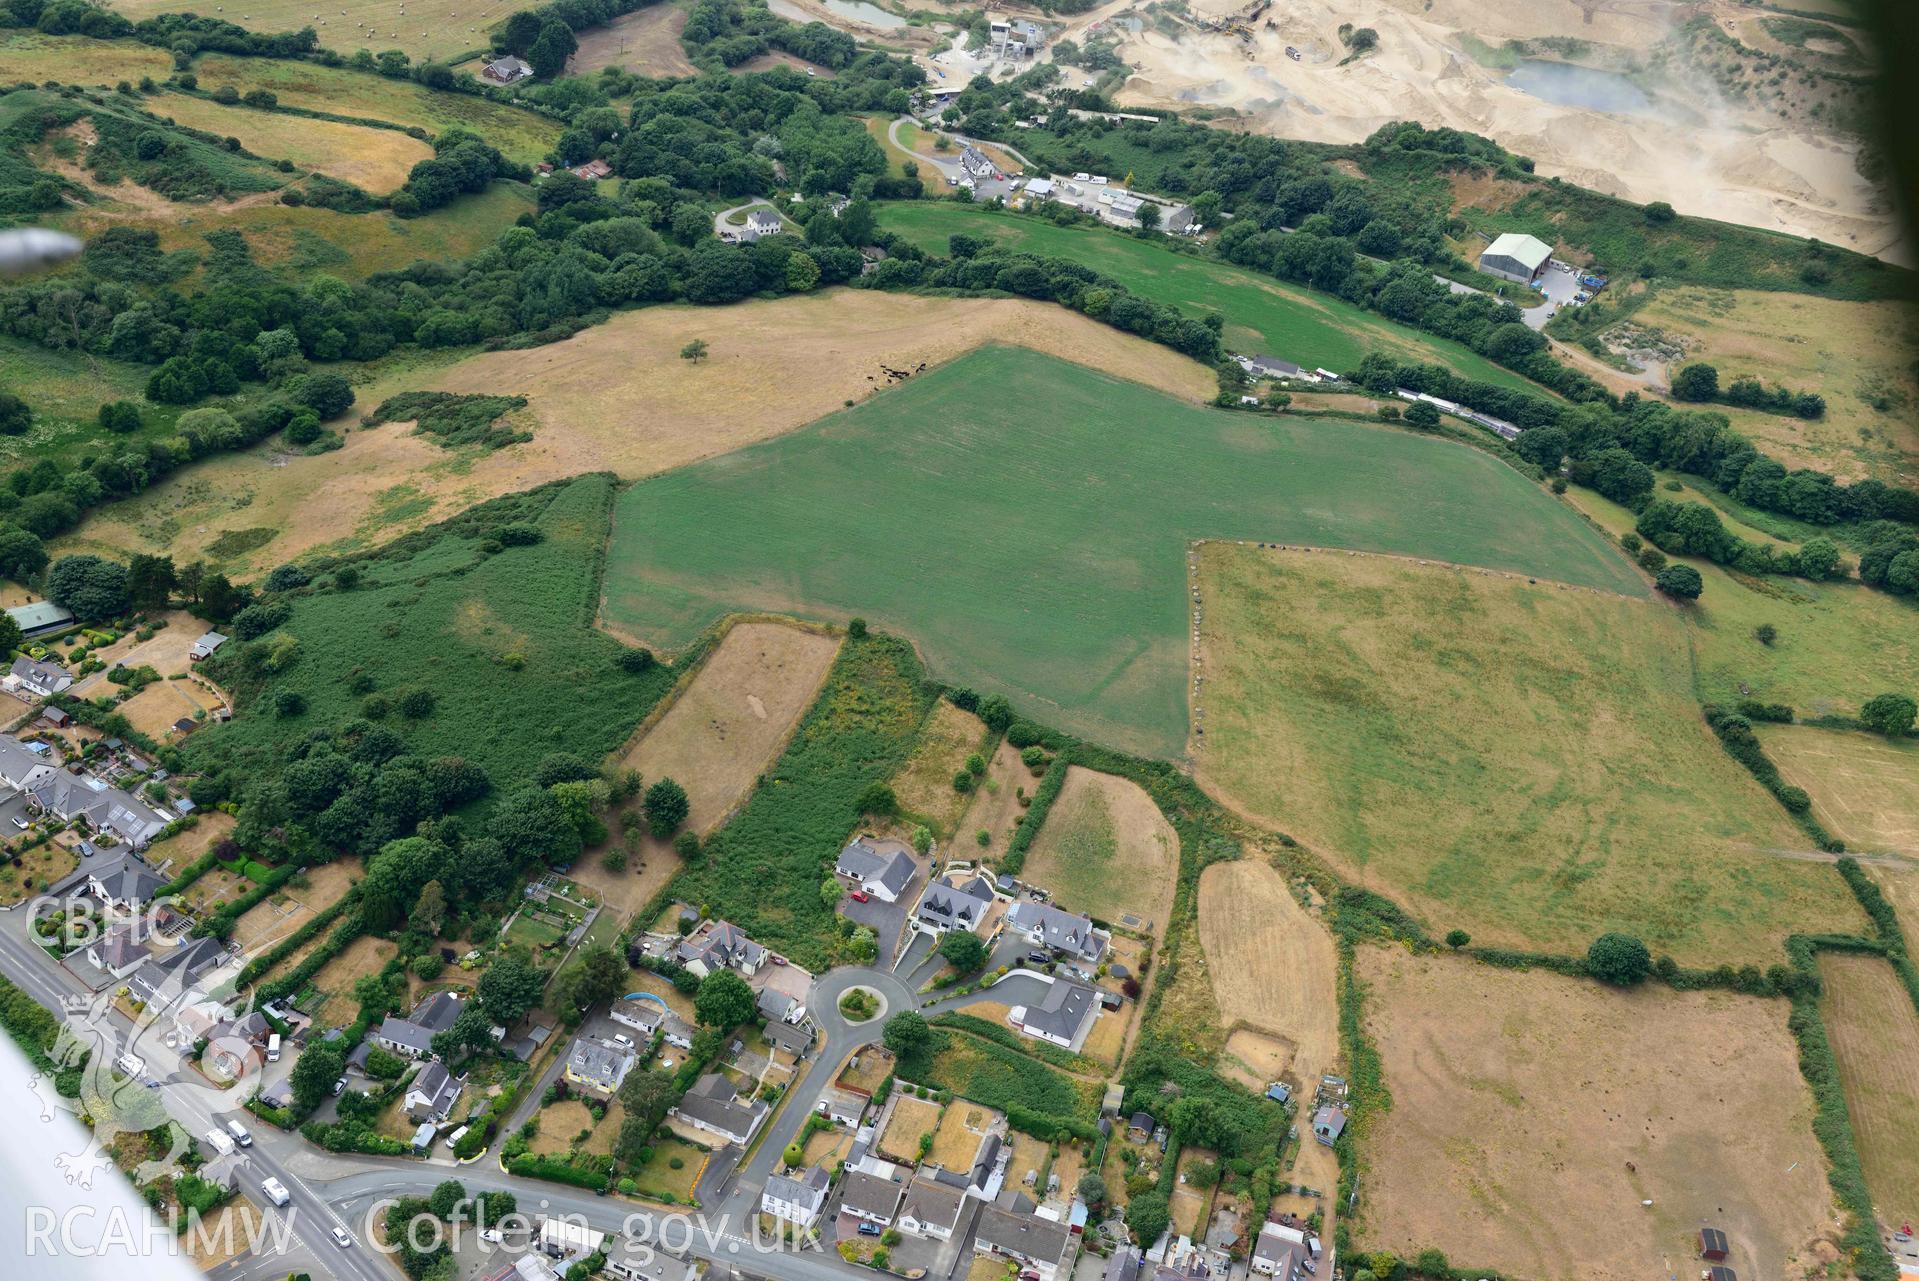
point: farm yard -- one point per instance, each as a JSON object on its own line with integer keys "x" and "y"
{"x": 1848, "y": 352}
{"x": 1106, "y": 850}
{"x": 1075, "y": 494}
{"x": 1864, "y": 788}
{"x": 374, "y": 159}
{"x": 1262, "y": 314}
{"x": 1533, "y": 1113}
{"x": 925, "y": 787}
{"x": 1272, "y": 969}
{"x": 1874, "y": 1031}
{"x": 1838, "y": 644}
{"x": 1499, "y": 755}
{"x": 614, "y": 397}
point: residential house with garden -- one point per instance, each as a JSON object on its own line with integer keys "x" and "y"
{"x": 1284, "y": 1251}
{"x": 36, "y": 678}
{"x": 872, "y": 1197}
{"x": 1061, "y": 1017}
{"x": 958, "y": 901}
{"x": 596, "y": 1067}
{"x": 713, "y": 1106}
{"x": 431, "y": 1096}
{"x": 1013, "y": 1229}
{"x": 931, "y": 1209}
{"x": 796, "y": 1198}
{"x": 413, "y": 1035}
{"x": 883, "y": 869}
{"x": 1058, "y": 930}
{"x": 719, "y": 945}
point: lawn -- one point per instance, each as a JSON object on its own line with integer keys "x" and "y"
{"x": 1838, "y": 644}
{"x": 1515, "y": 759}
{"x": 1875, "y": 1037}
{"x": 910, "y": 1122}
{"x": 1024, "y": 521}
{"x": 501, "y": 639}
{"x": 660, "y": 1179}
{"x": 1106, "y": 850}
{"x": 520, "y": 135}
{"x": 1262, "y": 314}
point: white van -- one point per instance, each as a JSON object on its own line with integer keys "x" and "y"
{"x": 219, "y": 1142}
{"x": 453, "y": 1139}
{"x": 239, "y": 1133}
{"x": 273, "y": 1048}
{"x": 276, "y": 1191}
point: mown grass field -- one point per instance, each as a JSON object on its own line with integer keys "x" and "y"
{"x": 504, "y": 642}
{"x": 1875, "y": 1038}
{"x": 1855, "y": 354}
{"x": 1838, "y": 644}
{"x": 1025, "y": 522}
{"x": 35, "y": 58}
{"x": 1262, "y": 315}
{"x": 1522, "y": 761}
{"x": 375, "y": 160}
{"x": 427, "y": 29}
{"x": 521, "y": 135}
{"x": 1864, "y": 788}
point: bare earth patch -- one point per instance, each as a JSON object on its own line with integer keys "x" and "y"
{"x": 1532, "y": 1114}
{"x": 615, "y": 397}
{"x": 1875, "y": 1036}
{"x": 1863, "y": 787}
{"x": 1106, "y": 850}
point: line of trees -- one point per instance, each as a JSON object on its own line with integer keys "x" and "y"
{"x": 1698, "y": 383}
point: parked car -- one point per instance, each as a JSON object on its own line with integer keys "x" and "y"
{"x": 621, "y": 1038}
{"x": 339, "y": 1087}
{"x": 861, "y": 896}
{"x": 869, "y": 1229}
{"x": 1037, "y": 958}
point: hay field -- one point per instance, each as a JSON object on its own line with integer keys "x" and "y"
{"x": 376, "y": 160}
{"x": 1533, "y": 1113}
{"x": 426, "y": 30}
{"x": 925, "y": 785}
{"x": 1852, "y": 353}
{"x": 1875, "y": 1036}
{"x": 1864, "y": 788}
{"x": 1262, "y": 314}
{"x": 1510, "y": 758}
{"x": 1272, "y": 967}
{"x": 1901, "y": 885}
{"x": 615, "y": 397}
{"x": 645, "y": 42}
{"x": 1838, "y": 643}
{"x": 1106, "y": 850}
{"x": 1049, "y": 509}
{"x": 522, "y": 135}
{"x": 29, "y": 56}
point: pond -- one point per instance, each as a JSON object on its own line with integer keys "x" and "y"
{"x": 1573, "y": 86}
{"x": 860, "y": 11}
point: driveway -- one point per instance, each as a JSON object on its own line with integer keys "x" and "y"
{"x": 886, "y": 920}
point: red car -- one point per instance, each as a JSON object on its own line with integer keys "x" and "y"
{"x": 861, "y": 896}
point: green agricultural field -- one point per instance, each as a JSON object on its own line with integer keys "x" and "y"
{"x": 522, "y": 135}
{"x": 503, "y": 640}
{"x": 30, "y": 57}
{"x": 1837, "y": 644}
{"x": 1521, "y": 760}
{"x": 1025, "y": 521}
{"x": 65, "y": 391}
{"x": 1262, "y": 314}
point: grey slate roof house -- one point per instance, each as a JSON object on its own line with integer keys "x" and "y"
{"x": 795, "y": 1199}
{"x": 1126, "y": 1264}
{"x": 168, "y": 977}
{"x": 794, "y": 1038}
{"x": 38, "y": 677}
{"x": 1047, "y": 926}
{"x": 103, "y": 808}
{"x": 713, "y": 1105}
{"x": 413, "y": 1035}
{"x": 718, "y": 945}
{"x": 644, "y": 1017}
{"x": 775, "y": 1005}
{"x": 1021, "y": 1235}
{"x": 931, "y": 1209}
{"x": 1283, "y": 1251}
{"x": 598, "y": 1067}
{"x": 1327, "y": 1124}
{"x": 505, "y": 71}
{"x": 870, "y": 1197}
{"x": 431, "y": 1097}
{"x": 945, "y": 906}
{"x": 1061, "y": 1017}
{"x": 120, "y": 952}
{"x": 882, "y": 868}
{"x": 124, "y": 881}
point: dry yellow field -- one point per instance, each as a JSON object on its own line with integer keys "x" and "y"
{"x": 560, "y": 1124}
{"x": 616, "y": 397}
{"x": 1901, "y": 885}
{"x": 1532, "y": 1114}
{"x": 154, "y": 709}
{"x": 1106, "y": 850}
{"x": 956, "y": 1141}
{"x": 264, "y": 924}
{"x": 645, "y": 42}
{"x": 1864, "y": 788}
{"x": 1875, "y": 1036}
{"x": 375, "y": 160}
{"x": 1272, "y": 965}
{"x": 911, "y": 1119}
{"x": 428, "y": 29}
{"x": 363, "y": 956}
{"x": 1849, "y": 352}
{"x": 925, "y": 785}
{"x": 36, "y": 58}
